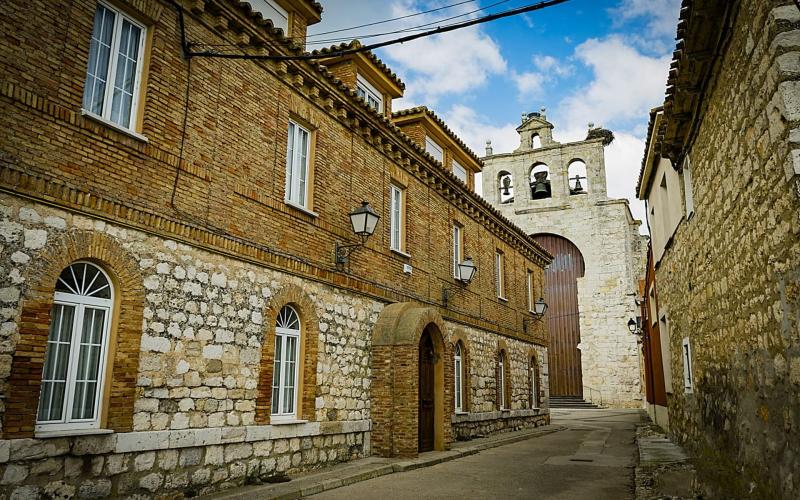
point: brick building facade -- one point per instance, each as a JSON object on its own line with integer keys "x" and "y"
{"x": 721, "y": 177}
{"x": 172, "y": 315}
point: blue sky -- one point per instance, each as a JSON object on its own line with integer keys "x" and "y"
{"x": 600, "y": 61}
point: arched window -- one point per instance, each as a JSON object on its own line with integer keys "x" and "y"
{"x": 505, "y": 186}
{"x": 540, "y": 182}
{"x": 534, "y": 378}
{"x": 578, "y": 183}
{"x": 285, "y": 370}
{"x": 458, "y": 377}
{"x": 77, "y": 346}
{"x": 502, "y": 381}
{"x": 536, "y": 141}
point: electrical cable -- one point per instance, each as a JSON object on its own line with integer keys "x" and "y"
{"x": 419, "y": 27}
{"x": 364, "y": 48}
{"x": 391, "y": 20}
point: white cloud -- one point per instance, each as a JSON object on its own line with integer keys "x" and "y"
{"x": 623, "y": 159}
{"x": 475, "y": 130}
{"x": 626, "y": 85}
{"x": 529, "y": 83}
{"x": 662, "y": 15}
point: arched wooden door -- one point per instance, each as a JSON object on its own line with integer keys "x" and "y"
{"x": 561, "y": 290}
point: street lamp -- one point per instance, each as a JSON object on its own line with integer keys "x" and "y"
{"x": 364, "y": 220}
{"x": 466, "y": 271}
{"x": 539, "y": 308}
{"x": 635, "y": 325}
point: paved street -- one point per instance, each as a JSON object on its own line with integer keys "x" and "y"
{"x": 591, "y": 459}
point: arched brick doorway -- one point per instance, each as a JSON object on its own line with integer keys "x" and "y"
{"x": 563, "y": 321}
{"x": 407, "y": 341}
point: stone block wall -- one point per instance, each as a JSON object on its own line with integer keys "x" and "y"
{"x": 730, "y": 280}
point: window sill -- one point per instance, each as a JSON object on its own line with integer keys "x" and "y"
{"x": 462, "y": 413}
{"x": 288, "y": 422}
{"x": 72, "y": 432}
{"x": 301, "y": 208}
{"x": 110, "y": 124}
{"x": 401, "y": 253}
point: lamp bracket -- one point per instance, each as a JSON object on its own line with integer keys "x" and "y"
{"x": 343, "y": 252}
{"x": 527, "y": 321}
{"x": 449, "y": 292}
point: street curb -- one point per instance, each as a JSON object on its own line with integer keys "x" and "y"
{"x": 374, "y": 470}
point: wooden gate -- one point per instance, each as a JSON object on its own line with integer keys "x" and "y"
{"x": 561, "y": 291}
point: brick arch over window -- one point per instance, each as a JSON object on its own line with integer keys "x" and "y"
{"x": 27, "y": 364}
{"x": 395, "y": 379}
{"x": 460, "y": 335}
{"x": 290, "y": 295}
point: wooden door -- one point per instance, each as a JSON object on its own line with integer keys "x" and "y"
{"x": 426, "y": 394}
{"x": 563, "y": 322}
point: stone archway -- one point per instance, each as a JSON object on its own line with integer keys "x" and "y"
{"x": 395, "y": 379}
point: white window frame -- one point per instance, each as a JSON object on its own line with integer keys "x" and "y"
{"x": 688, "y": 372}
{"x": 434, "y": 149}
{"x": 458, "y": 378}
{"x": 270, "y": 9}
{"x": 534, "y": 385}
{"x": 529, "y": 284}
{"x": 501, "y": 382}
{"x": 111, "y": 75}
{"x": 459, "y": 171}
{"x": 369, "y": 93}
{"x": 396, "y": 218}
{"x": 282, "y": 335}
{"x": 499, "y": 274}
{"x": 298, "y": 166}
{"x": 80, "y": 303}
{"x": 458, "y": 250}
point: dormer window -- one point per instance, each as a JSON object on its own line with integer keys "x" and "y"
{"x": 270, "y": 9}
{"x": 434, "y": 149}
{"x": 460, "y": 172}
{"x": 369, "y": 93}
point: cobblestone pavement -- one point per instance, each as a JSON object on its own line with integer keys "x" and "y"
{"x": 592, "y": 459}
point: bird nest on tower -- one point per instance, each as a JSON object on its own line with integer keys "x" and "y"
{"x": 601, "y": 133}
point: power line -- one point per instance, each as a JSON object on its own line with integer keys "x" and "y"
{"x": 443, "y": 29}
{"x": 419, "y": 27}
{"x": 390, "y": 20}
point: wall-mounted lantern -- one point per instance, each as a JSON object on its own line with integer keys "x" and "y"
{"x": 364, "y": 220}
{"x": 635, "y": 325}
{"x": 466, "y": 271}
{"x": 539, "y": 308}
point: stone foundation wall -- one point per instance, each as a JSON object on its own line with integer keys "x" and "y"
{"x": 180, "y": 462}
{"x": 477, "y": 425}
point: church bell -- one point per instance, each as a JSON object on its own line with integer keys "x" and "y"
{"x": 506, "y": 185}
{"x": 540, "y": 187}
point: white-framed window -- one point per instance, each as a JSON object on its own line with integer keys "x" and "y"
{"x": 397, "y": 218}
{"x": 529, "y": 288}
{"x": 434, "y": 149}
{"x": 285, "y": 371}
{"x": 501, "y": 380}
{"x": 458, "y": 377}
{"x": 297, "y": 153}
{"x": 534, "y": 384}
{"x": 687, "y": 187}
{"x": 113, "y": 73}
{"x": 458, "y": 249}
{"x": 688, "y": 374}
{"x": 270, "y": 9}
{"x": 499, "y": 274}
{"x": 77, "y": 346}
{"x": 369, "y": 93}
{"x": 459, "y": 171}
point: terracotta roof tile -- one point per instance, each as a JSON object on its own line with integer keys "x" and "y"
{"x": 442, "y": 124}
{"x": 355, "y": 44}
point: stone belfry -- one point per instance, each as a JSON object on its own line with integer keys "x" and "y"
{"x": 557, "y": 194}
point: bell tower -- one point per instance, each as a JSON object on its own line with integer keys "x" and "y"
{"x": 556, "y": 192}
